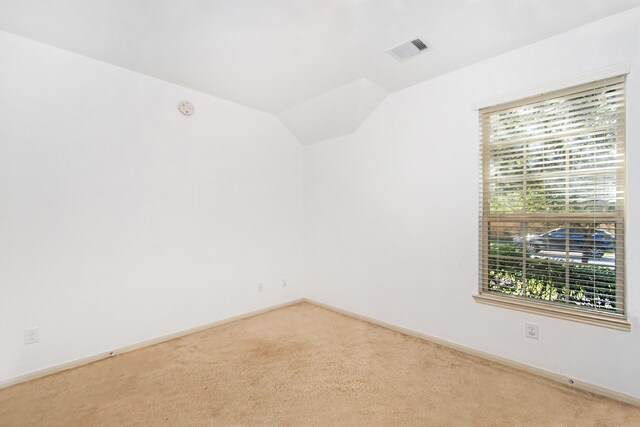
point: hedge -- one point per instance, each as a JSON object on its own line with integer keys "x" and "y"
{"x": 546, "y": 280}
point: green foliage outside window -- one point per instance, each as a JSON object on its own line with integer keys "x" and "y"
{"x": 590, "y": 286}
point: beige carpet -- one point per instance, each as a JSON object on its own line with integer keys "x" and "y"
{"x": 302, "y": 365}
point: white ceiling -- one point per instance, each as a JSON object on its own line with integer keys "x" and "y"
{"x": 296, "y": 58}
{"x": 337, "y": 112}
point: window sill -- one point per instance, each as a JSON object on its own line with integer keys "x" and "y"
{"x": 559, "y": 312}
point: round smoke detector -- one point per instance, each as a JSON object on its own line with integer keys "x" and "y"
{"x": 186, "y": 108}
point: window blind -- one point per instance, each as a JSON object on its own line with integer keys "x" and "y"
{"x": 552, "y": 199}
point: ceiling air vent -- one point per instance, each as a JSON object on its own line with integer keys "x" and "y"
{"x": 408, "y": 49}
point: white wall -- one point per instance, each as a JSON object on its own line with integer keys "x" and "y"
{"x": 391, "y": 212}
{"x": 122, "y": 220}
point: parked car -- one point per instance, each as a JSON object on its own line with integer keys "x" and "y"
{"x": 593, "y": 243}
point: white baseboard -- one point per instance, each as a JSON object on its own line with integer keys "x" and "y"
{"x": 569, "y": 382}
{"x": 121, "y": 350}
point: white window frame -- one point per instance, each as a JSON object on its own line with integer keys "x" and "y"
{"x": 616, "y": 320}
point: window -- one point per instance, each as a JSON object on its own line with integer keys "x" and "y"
{"x": 552, "y": 204}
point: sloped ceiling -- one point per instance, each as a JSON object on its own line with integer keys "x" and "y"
{"x": 337, "y": 112}
{"x": 319, "y": 65}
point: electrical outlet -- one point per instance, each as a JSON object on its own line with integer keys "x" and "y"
{"x": 31, "y": 336}
{"x": 260, "y": 287}
{"x": 531, "y": 330}
{"x": 284, "y": 283}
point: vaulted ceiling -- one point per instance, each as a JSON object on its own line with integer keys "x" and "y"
{"x": 319, "y": 65}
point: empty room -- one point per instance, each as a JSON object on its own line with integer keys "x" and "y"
{"x": 319, "y": 212}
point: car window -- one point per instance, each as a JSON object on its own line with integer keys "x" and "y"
{"x": 554, "y": 231}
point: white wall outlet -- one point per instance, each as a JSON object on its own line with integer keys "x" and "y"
{"x": 531, "y": 330}
{"x": 259, "y": 287}
{"x": 31, "y": 336}
{"x": 284, "y": 283}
